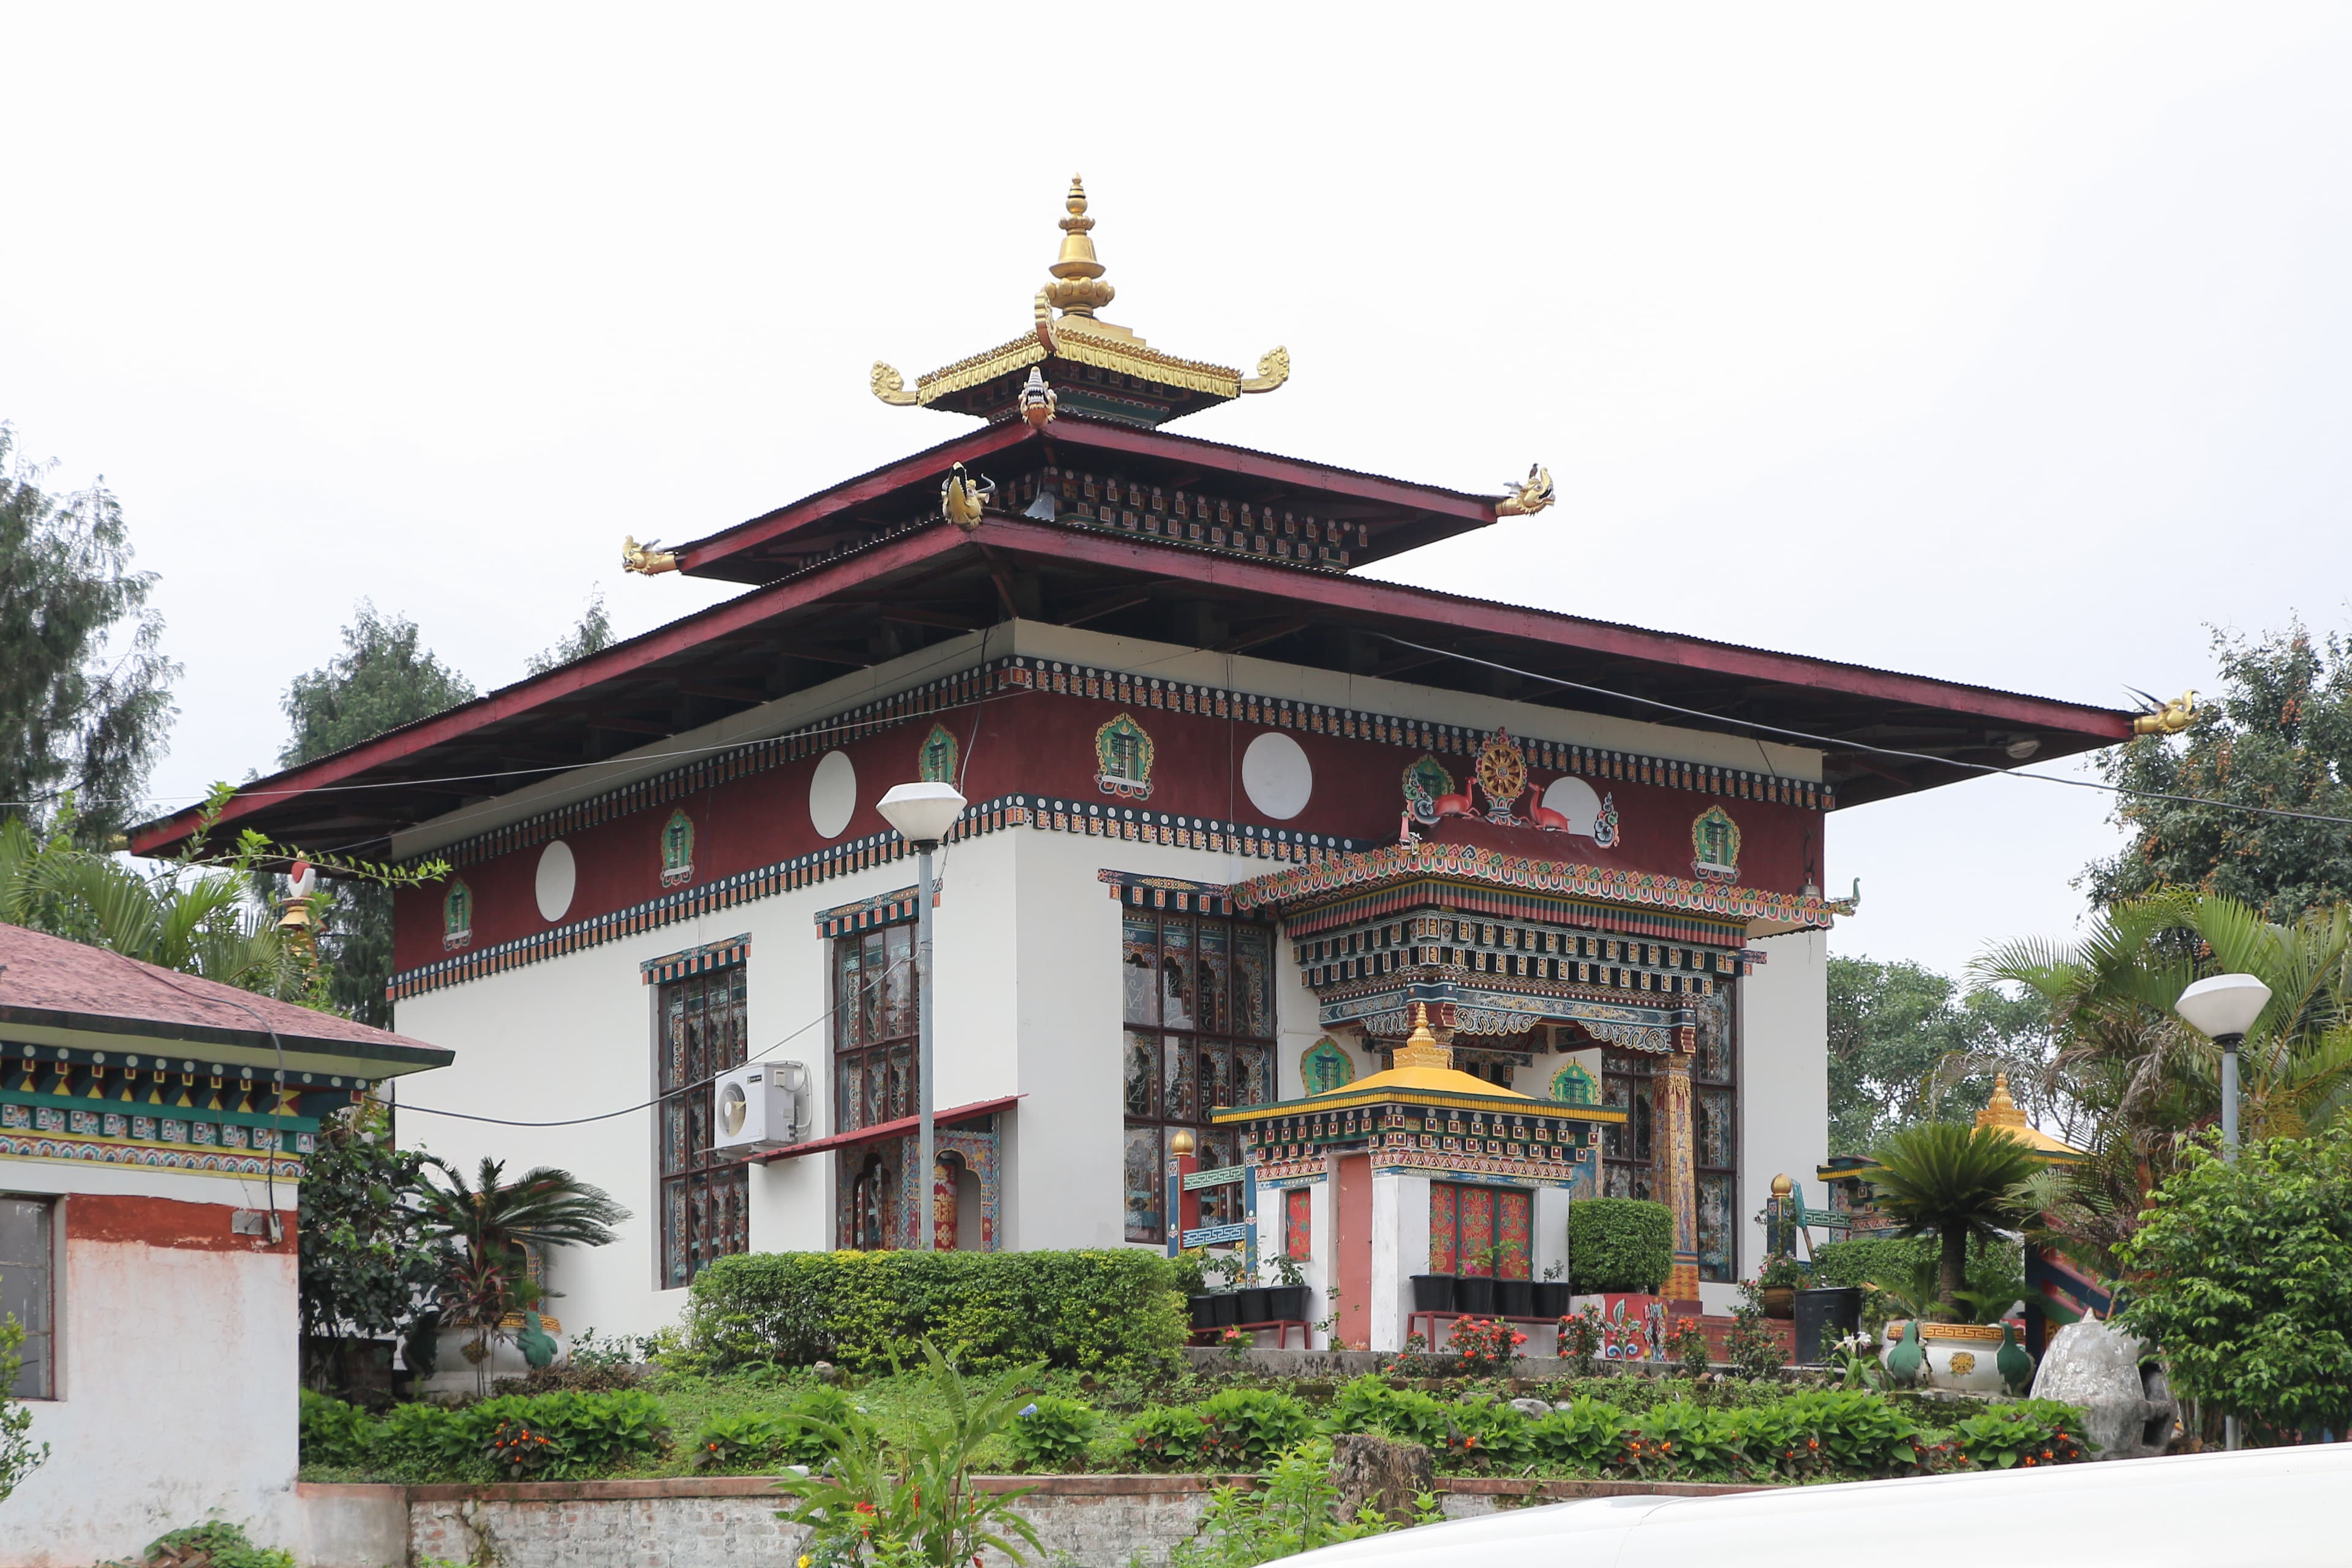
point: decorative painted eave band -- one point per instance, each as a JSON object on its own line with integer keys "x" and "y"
{"x": 1168, "y": 893}
{"x": 165, "y": 1157}
{"x": 700, "y": 960}
{"x": 884, "y": 909}
{"x": 1045, "y": 813}
{"x": 1022, "y": 672}
{"x": 1340, "y": 1099}
{"x": 1478, "y": 899}
{"x": 1393, "y": 862}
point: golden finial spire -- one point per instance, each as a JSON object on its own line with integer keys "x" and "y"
{"x": 1077, "y": 288}
{"x": 2001, "y": 1111}
{"x": 1421, "y": 1049}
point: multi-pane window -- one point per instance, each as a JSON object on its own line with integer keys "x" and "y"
{"x": 874, "y": 1024}
{"x": 705, "y": 1196}
{"x": 1625, "y": 1148}
{"x": 1715, "y": 1135}
{"x": 1483, "y": 1232}
{"x": 1198, "y": 996}
{"x": 27, "y": 1262}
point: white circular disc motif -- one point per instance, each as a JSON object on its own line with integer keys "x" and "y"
{"x": 1574, "y": 799}
{"x": 1276, "y": 776}
{"x": 833, "y": 794}
{"x": 559, "y": 874}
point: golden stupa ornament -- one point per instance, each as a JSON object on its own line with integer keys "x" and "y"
{"x": 1421, "y": 1048}
{"x": 1084, "y": 365}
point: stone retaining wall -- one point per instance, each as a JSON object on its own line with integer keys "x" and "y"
{"x": 729, "y": 1521}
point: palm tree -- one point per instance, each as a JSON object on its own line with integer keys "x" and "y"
{"x": 497, "y": 1220}
{"x": 1953, "y": 1183}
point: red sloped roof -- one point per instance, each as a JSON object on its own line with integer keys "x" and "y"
{"x": 48, "y": 982}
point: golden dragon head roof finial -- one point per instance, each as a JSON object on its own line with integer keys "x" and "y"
{"x": 1077, "y": 288}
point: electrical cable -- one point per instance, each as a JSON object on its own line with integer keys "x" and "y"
{"x": 1844, "y": 745}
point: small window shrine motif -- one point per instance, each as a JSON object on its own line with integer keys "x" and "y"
{"x": 457, "y": 917}
{"x": 1324, "y": 1067}
{"x": 1483, "y": 1232}
{"x": 1572, "y": 1085}
{"x": 1426, "y": 782}
{"x": 936, "y": 763}
{"x": 1715, "y": 845}
{"x": 705, "y": 1198}
{"x": 1198, "y": 997}
{"x": 1123, "y": 753}
{"x": 1298, "y": 1224}
{"x": 874, "y": 1026}
{"x": 678, "y": 850}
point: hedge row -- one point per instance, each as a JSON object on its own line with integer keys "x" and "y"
{"x": 552, "y": 1436}
{"x": 1111, "y": 1311}
{"x": 1619, "y": 1244}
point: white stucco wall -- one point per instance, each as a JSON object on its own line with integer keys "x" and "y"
{"x": 1784, "y": 1085}
{"x": 178, "y": 1376}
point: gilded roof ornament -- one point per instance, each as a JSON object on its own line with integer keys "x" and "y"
{"x": 2164, "y": 718}
{"x": 1421, "y": 1048}
{"x": 964, "y": 501}
{"x": 644, "y": 559}
{"x": 1529, "y": 496}
{"x": 1097, "y": 369}
{"x": 1037, "y": 400}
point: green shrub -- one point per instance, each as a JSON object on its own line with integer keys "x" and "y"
{"x": 1106, "y": 1311}
{"x": 333, "y": 1433}
{"x": 1995, "y": 1272}
{"x": 1619, "y": 1244}
{"x": 1164, "y": 1438}
{"x": 1487, "y": 1436}
{"x": 221, "y": 1543}
{"x": 1687, "y": 1442}
{"x": 1248, "y": 1427}
{"x": 421, "y": 1442}
{"x": 800, "y": 1432}
{"x": 1840, "y": 1432}
{"x": 1589, "y": 1436}
{"x": 559, "y": 1436}
{"x": 2030, "y": 1433}
{"x": 1367, "y": 1403}
{"x": 1050, "y": 1432}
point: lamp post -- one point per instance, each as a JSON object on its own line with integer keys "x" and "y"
{"x": 922, "y": 813}
{"x": 2222, "y": 1007}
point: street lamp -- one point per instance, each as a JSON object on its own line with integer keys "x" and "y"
{"x": 923, "y": 812}
{"x": 2222, "y": 1007}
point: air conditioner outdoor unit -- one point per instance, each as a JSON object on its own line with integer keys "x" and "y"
{"x": 759, "y": 1106}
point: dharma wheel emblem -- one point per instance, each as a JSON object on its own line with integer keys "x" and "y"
{"x": 1503, "y": 775}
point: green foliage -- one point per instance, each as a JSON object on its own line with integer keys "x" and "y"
{"x": 556, "y": 1436}
{"x": 2278, "y": 735}
{"x": 1619, "y": 1244}
{"x": 2243, "y": 1276}
{"x": 19, "y": 1454}
{"x": 366, "y": 1259}
{"x": 2033, "y": 1432}
{"x": 333, "y": 1433}
{"x": 1899, "y": 1276}
{"x": 1685, "y": 1442}
{"x": 219, "y": 1543}
{"x": 911, "y": 1503}
{"x": 1579, "y": 1339}
{"x": 1292, "y": 1513}
{"x": 1105, "y": 1312}
{"x": 793, "y": 1434}
{"x": 1907, "y": 1044}
{"x": 85, "y": 690}
{"x": 593, "y": 634}
{"x": 1833, "y": 1432}
{"x": 1957, "y": 1184}
{"x": 381, "y": 680}
{"x": 1051, "y": 1432}
{"x": 1754, "y": 1349}
{"x": 1246, "y": 1428}
{"x": 1589, "y": 1436}
{"x": 1367, "y": 1403}
{"x": 1687, "y": 1344}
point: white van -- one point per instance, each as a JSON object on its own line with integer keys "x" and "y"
{"x": 2267, "y": 1508}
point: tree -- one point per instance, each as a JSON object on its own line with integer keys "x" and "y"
{"x": 2243, "y": 1273}
{"x": 2279, "y": 736}
{"x": 85, "y": 690}
{"x": 367, "y": 1260}
{"x": 1954, "y": 1183}
{"x": 496, "y": 1223}
{"x": 593, "y": 633}
{"x": 19, "y": 1454}
{"x": 381, "y": 680}
{"x": 1906, "y": 1045}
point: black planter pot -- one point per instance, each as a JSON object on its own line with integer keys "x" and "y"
{"x": 1825, "y": 1316}
{"x": 1252, "y": 1304}
{"x": 1285, "y": 1303}
{"x": 1551, "y": 1298}
{"x": 1515, "y": 1298}
{"x": 1224, "y": 1308}
{"x": 1433, "y": 1292}
{"x": 1475, "y": 1293}
{"x": 1204, "y": 1309}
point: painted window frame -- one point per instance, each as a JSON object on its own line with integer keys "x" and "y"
{"x": 1722, "y": 1177}
{"x": 35, "y": 1251}
{"x": 1172, "y": 1051}
{"x": 875, "y": 1071}
{"x": 1447, "y": 1197}
{"x": 702, "y": 1198}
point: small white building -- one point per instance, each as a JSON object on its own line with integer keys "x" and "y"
{"x": 1235, "y": 807}
{"x": 152, "y": 1131}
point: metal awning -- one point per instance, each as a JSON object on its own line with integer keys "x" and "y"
{"x": 883, "y": 1130}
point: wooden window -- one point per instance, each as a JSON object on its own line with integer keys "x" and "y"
{"x": 1465, "y": 1223}
{"x": 1626, "y": 1147}
{"x": 874, "y": 1028}
{"x": 27, "y": 1264}
{"x": 1715, "y": 1135}
{"x": 705, "y": 1196}
{"x": 1198, "y": 996}
{"x": 1298, "y": 1224}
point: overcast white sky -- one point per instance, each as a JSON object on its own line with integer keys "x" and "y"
{"x": 2005, "y": 344}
